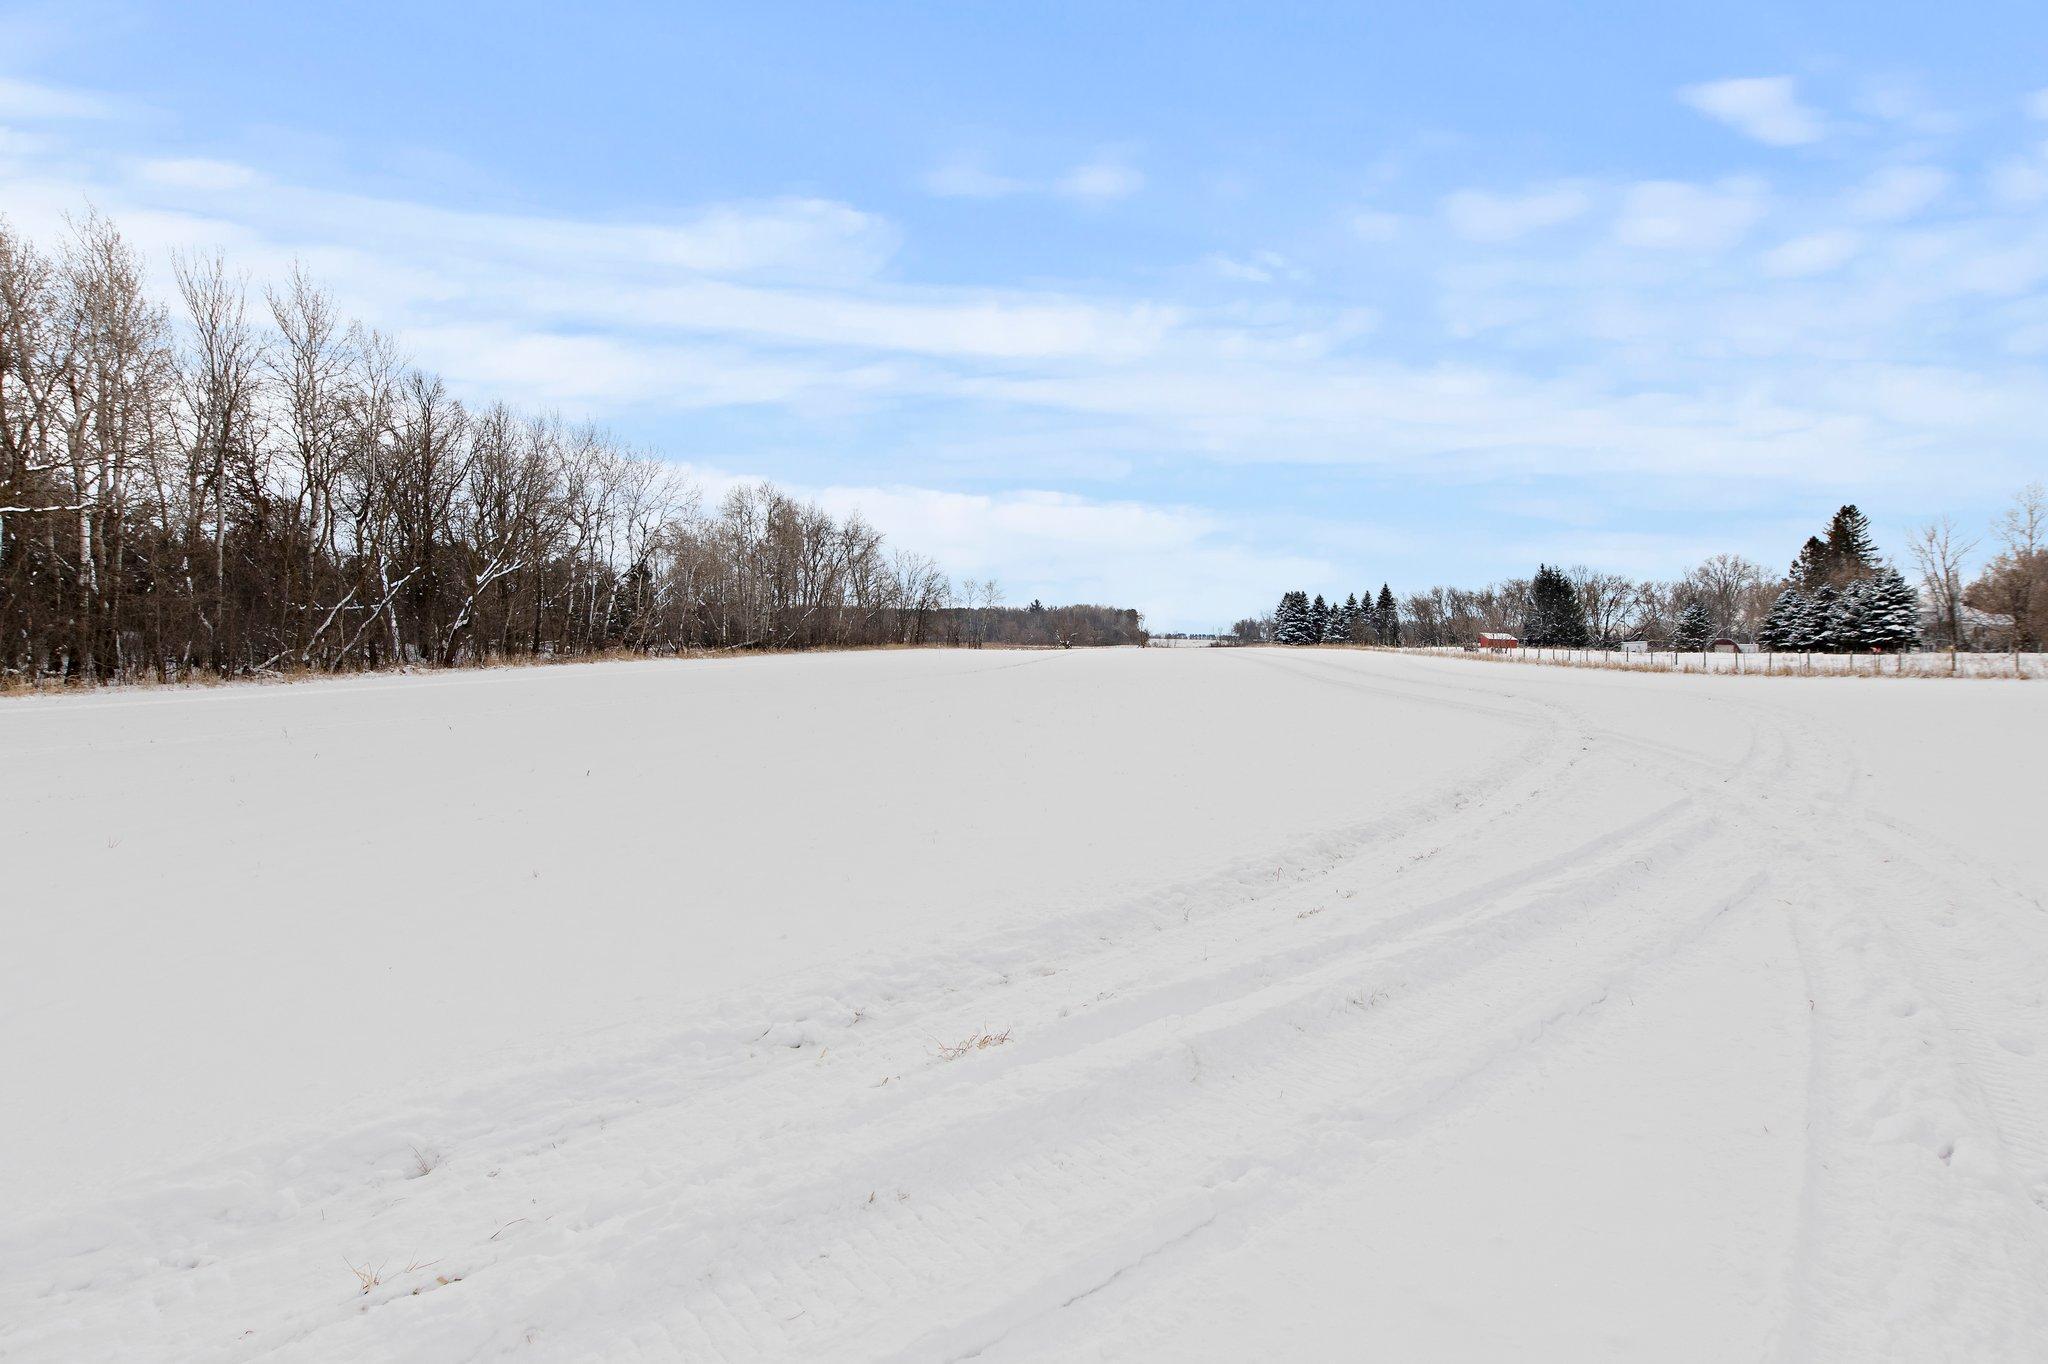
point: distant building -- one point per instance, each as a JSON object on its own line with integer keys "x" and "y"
{"x": 1725, "y": 646}
{"x": 1491, "y": 641}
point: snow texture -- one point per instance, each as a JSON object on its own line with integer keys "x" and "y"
{"x": 929, "y": 1005}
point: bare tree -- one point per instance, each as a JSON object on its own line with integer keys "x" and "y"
{"x": 1939, "y": 552}
{"x": 2015, "y": 583}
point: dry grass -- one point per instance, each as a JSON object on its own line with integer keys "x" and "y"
{"x": 14, "y": 684}
{"x": 979, "y": 1042}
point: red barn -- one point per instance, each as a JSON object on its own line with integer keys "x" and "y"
{"x": 1487, "y": 641}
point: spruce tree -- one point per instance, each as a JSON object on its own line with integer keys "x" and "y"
{"x": 1318, "y": 621}
{"x": 1893, "y": 618}
{"x": 1821, "y": 623}
{"x": 1290, "y": 618}
{"x": 1555, "y": 619}
{"x": 1853, "y": 618}
{"x": 1354, "y": 620}
{"x": 1782, "y": 627}
{"x": 1695, "y": 629}
{"x": 1387, "y": 617}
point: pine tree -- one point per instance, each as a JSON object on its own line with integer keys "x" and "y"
{"x": 1695, "y": 629}
{"x": 1782, "y": 628}
{"x": 1821, "y": 623}
{"x": 1893, "y": 618}
{"x": 1318, "y": 621}
{"x": 1556, "y": 619}
{"x": 1812, "y": 566}
{"x": 1353, "y": 618}
{"x": 1387, "y": 618}
{"x": 1852, "y": 553}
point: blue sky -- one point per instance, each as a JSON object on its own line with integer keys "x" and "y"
{"x": 1175, "y": 306}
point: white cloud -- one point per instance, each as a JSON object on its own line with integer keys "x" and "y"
{"x": 1766, "y": 108}
{"x": 965, "y": 178}
{"x": 1675, "y": 216}
{"x": 1374, "y": 225}
{"x": 1104, "y": 178}
{"x": 1482, "y": 217}
{"x": 199, "y": 173}
{"x": 2022, "y": 179}
{"x": 1261, "y": 267}
{"x": 30, "y": 101}
{"x": 1898, "y": 192}
{"x": 1813, "y": 254}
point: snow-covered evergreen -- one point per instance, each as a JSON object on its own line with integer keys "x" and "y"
{"x": 1290, "y": 619}
{"x": 1892, "y": 616}
{"x": 1387, "y": 617}
{"x": 1695, "y": 629}
{"x": 1820, "y": 625}
{"x": 1555, "y": 617}
{"x": 1782, "y": 627}
{"x": 1853, "y": 618}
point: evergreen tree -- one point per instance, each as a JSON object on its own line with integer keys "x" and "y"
{"x": 1290, "y": 619}
{"x": 1783, "y": 626}
{"x": 1387, "y": 617}
{"x": 1820, "y": 624}
{"x": 1694, "y": 631}
{"x": 1853, "y": 618}
{"x": 1318, "y": 621}
{"x": 1556, "y": 619}
{"x": 1892, "y": 621}
{"x": 1812, "y": 566}
{"x": 1354, "y": 617}
{"x": 1852, "y": 553}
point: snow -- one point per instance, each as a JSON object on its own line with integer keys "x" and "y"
{"x": 1336, "y": 1002}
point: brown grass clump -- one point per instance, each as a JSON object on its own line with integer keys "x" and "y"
{"x": 979, "y": 1042}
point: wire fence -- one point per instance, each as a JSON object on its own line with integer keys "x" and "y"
{"x": 1927, "y": 663}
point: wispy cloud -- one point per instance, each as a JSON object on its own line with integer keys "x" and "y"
{"x": 1813, "y": 254}
{"x": 967, "y": 178}
{"x": 1105, "y": 176}
{"x": 1671, "y": 215}
{"x": 1260, "y": 267}
{"x": 1482, "y": 217}
{"x": 1374, "y": 225}
{"x": 1766, "y": 108}
{"x": 30, "y": 102}
{"x": 1898, "y": 192}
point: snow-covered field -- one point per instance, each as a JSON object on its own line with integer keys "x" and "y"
{"x": 1333, "y": 1004}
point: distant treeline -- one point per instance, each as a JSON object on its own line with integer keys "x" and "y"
{"x": 266, "y": 486}
{"x": 1840, "y": 594}
{"x": 1057, "y": 626}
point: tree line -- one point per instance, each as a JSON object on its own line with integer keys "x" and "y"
{"x": 1297, "y": 620}
{"x": 1839, "y": 594}
{"x": 260, "y": 484}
